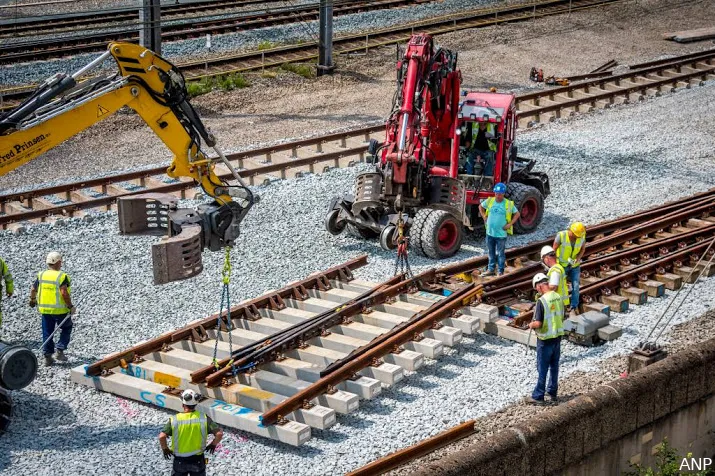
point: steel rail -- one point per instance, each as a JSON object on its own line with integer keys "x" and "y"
{"x": 245, "y": 310}
{"x": 377, "y": 349}
{"x": 55, "y": 48}
{"x": 400, "y": 457}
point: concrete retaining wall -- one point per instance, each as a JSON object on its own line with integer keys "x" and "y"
{"x": 604, "y": 430}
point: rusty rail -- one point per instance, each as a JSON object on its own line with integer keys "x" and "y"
{"x": 246, "y": 310}
{"x": 376, "y": 349}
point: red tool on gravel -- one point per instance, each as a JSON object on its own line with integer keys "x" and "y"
{"x": 426, "y": 172}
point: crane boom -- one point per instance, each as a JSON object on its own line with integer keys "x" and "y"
{"x": 154, "y": 88}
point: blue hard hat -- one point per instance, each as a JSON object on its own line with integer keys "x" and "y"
{"x": 500, "y": 188}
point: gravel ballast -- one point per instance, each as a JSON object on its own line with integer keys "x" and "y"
{"x": 601, "y": 166}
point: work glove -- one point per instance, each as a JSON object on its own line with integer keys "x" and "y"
{"x": 33, "y": 303}
{"x": 211, "y": 448}
{"x": 167, "y": 453}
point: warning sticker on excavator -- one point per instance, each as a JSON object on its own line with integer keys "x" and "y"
{"x": 101, "y": 111}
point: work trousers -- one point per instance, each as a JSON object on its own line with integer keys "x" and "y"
{"x": 189, "y": 466}
{"x": 496, "y": 247}
{"x": 548, "y": 354}
{"x": 573, "y": 275}
{"x": 487, "y": 158}
{"x": 49, "y": 322}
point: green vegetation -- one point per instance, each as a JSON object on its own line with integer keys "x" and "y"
{"x": 300, "y": 69}
{"x": 668, "y": 463}
{"x": 228, "y": 82}
{"x": 266, "y": 45}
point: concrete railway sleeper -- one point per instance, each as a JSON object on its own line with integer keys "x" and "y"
{"x": 370, "y": 334}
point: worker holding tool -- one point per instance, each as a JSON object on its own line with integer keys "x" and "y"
{"x": 548, "y": 325}
{"x": 188, "y": 431}
{"x": 499, "y": 215}
{"x": 9, "y": 284}
{"x": 556, "y": 274}
{"x": 569, "y": 246}
{"x": 482, "y": 148}
{"x": 51, "y": 294}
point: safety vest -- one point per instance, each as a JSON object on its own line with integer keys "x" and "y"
{"x": 188, "y": 433}
{"x": 490, "y": 130}
{"x": 7, "y": 277}
{"x": 563, "y": 289}
{"x": 553, "y": 325}
{"x": 509, "y": 205}
{"x": 49, "y": 299}
{"x": 566, "y": 250}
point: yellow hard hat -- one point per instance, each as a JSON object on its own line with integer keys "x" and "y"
{"x": 578, "y": 229}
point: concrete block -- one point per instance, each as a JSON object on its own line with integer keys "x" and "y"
{"x": 449, "y": 336}
{"x": 707, "y": 270}
{"x": 653, "y": 288}
{"x": 609, "y": 333}
{"x": 688, "y": 274}
{"x": 637, "y": 362}
{"x": 502, "y": 329}
{"x": 670, "y": 281}
{"x": 467, "y": 324}
{"x": 586, "y": 323}
{"x": 634, "y": 295}
{"x": 484, "y": 312}
{"x": 598, "y": 307}
{"x": 615, "y": 302}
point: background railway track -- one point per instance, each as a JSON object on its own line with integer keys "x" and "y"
{"x": 312, "y": 350}
{"x": 317, "y": 154}
{"x": 25, "y": 51}
{"x": 308, "y": 51}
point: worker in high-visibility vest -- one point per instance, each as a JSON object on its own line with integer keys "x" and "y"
{"x": 51, "y": 294}
{"x": 9, "y": 284}
{"x": 499, "y": 215}
{"x": 189, "y": 431}
{"x": 548, "y": 324}
{"x": 555, "y": 273}
{"x": 569, "y": 246}
{"x": 482, "y": 148}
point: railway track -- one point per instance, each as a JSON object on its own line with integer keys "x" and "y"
{"x": 266, "y": 164}
{"x": 308, "y": 51}
{"x": 25, "y": 51}
{"x": 294, "y": 359}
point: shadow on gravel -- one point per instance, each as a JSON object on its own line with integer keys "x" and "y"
{"x": 400, "y": 395}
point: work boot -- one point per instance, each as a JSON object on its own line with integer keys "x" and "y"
{"x": 49, "y": 360}
{"x": 488, "y": 273}
{"x": 553, "y": 399}
{"x": 60, "y": 355}
{"x": 532, "y": 401}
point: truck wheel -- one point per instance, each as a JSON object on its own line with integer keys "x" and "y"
{"x": 415, "y": 233}
{"x": 441, "y": 235}
{"x": 332, "y": 224}
{"x": 530, "y": 203}
{"x": 358, "y": 232}
{"x": 387, "y": 238}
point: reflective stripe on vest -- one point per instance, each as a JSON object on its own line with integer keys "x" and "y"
{"x": 553, "y": 325}
{"x": 562, "y": 289}
{"x": 566, "y": 250}
{"x": 188, "y": 433}
{"x": 508, "y": 206}
{"x": 49, "y": 299}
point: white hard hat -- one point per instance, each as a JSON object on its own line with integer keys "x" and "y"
{"x": 189, "y": 398}
{"x": 546, "y": 250}
{"x": 539, "y": 278}
{"x": 53, "y": 258}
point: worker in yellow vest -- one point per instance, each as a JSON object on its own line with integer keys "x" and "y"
{"x": 555, "y": 273}
{"x": 548, "y": 323}
{"x": 499, "y": 215}
{"x": 51, "y": 294}
{"x": 569, "y": 246}
{"x": 9, "y": 284}
{"x": 189, "y": 430}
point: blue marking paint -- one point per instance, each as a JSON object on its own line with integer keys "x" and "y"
{"x": 161, "y": 400}
{"x": 143, "y": 395}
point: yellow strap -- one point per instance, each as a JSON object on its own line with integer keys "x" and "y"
{"x": 226, "y": 273}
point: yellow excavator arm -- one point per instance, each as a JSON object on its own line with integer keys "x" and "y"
{"x": 155, "y": 89}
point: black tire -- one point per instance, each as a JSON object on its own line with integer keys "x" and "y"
{"x": 530, "y": 200}
{"x": 442, "y": 235}
{"x": 415, "y": 232}
{"x": 332, "y": 224}
{"x": 387, "y": 238}
{"x": 358, "y": 232}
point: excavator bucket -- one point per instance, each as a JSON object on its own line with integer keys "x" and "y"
{"x": 178, "y": 255}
